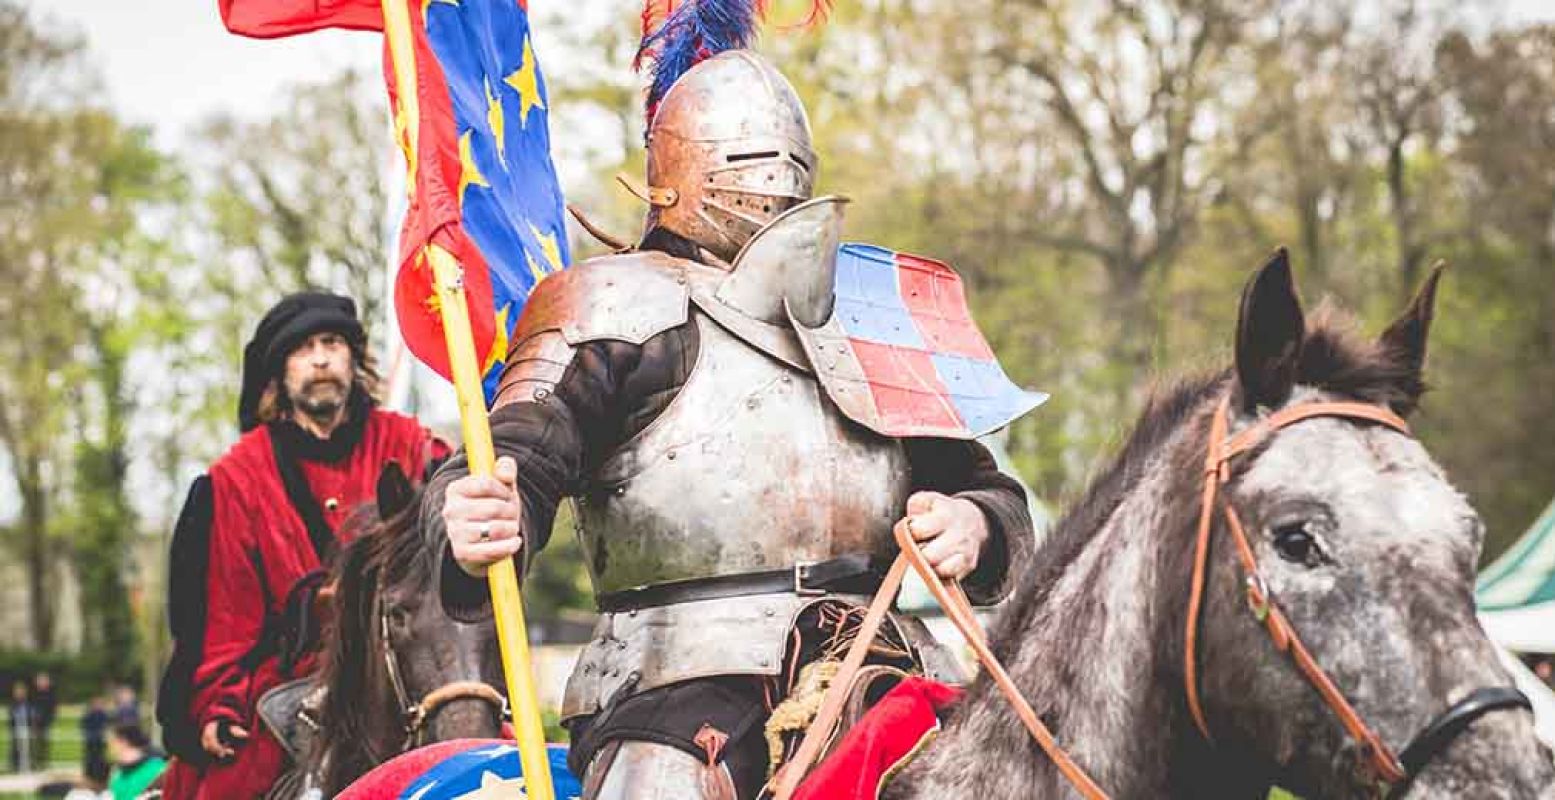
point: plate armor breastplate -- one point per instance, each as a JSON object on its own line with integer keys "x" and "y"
{"x": 749, "y": 468}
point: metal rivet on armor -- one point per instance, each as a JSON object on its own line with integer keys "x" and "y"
{"x": 588, "y": 669}
{"x": 542, "y": 393}
{"x": 771, "y": 612}
{"x": 671, "y": 455}
{"x": 752, "y": 403}
{"x": 331, "y": 504}
{"x": 764, "y": 662}
{"x": 632, "y": 613}
{"x": 620, "y": 644}
{"x": 620, "y": 490}
{"x": 787, "y": 379}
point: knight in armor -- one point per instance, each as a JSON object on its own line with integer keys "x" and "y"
{"x": 733, "y": 515}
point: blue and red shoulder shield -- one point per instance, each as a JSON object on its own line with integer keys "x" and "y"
{"x": 901, "y": 355}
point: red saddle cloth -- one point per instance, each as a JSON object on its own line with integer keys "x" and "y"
{"x": 882, "y": 742}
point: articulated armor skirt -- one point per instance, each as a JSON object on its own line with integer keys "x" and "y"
{"x": 718, "y": 735}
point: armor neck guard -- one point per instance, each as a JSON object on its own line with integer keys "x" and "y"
{"x": 794, "y": 260}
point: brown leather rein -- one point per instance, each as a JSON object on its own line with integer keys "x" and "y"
{"x": 959, "y": 611}
{"x": 1386, "y": 767}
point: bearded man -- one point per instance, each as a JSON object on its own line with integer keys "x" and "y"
{"x": 260, "y": 523}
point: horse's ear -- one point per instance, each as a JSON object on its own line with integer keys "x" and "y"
{"x": 1405, "y": 338}
{"x": 394, "y": 491}
{"x": 1268, "y": 335}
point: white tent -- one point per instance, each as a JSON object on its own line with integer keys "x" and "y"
{"x": 1516, "y": 594}
{"x": 1516, "y": 597}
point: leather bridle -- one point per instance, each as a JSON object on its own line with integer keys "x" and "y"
{"x": 1392, "y": 774}
{"x": 415, "y": 715}
{"x": 1389, "y": 772}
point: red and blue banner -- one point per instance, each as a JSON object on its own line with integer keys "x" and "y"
{"x": 461, "y": 769}
{"x": 901, "y": 354}
{"x": 475, "y": 132}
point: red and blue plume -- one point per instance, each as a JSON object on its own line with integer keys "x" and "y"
{"x": 678, "y": 36}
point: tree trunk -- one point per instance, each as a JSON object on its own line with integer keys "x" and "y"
{"x": 1138, "y": 331}
{"x": 1409, "y": 251}
{"x": 35, "y": 519}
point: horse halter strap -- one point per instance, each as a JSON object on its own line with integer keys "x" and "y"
{"x": 1217, "y": 472}
{"x": 417, "y": 714}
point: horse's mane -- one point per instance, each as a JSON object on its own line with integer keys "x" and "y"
{"x": 1334, "y": 358}
{"x": 384, "y": 552}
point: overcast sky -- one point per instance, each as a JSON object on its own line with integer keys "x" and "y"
{"x": 170, "y": 62}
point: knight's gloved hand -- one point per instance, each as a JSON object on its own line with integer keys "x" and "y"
{"x": 483, "y": 517}
{"x": 953, "y": 528}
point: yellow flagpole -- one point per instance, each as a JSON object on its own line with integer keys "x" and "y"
{"x": 507, "y": 603}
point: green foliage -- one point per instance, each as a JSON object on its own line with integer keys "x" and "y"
{"x": 78, "y": 677}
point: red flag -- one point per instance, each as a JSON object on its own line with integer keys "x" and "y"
{"x": 472, "y": 121}
{"x": 270, "y": 19}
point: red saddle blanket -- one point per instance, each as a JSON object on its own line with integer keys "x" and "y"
{"x": 883, "y": 741}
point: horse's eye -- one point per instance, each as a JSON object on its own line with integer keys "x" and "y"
{"x": 1296, "y": 544}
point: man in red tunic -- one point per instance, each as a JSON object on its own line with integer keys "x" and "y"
{"x": 313, "y": 446}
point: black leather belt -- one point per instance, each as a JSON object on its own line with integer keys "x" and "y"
{"x": 855, "y": 573}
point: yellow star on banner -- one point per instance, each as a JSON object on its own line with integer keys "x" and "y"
{"x": 496, "y": 122}
{"x": 548, "y": 246}
{"x": 495, "y": 787}
{"x": 499, "y": 343}
{"x": 526, "y": 82}
{"x": 402, "y": 138}
{"x": 535, "y": 269}
{"x": 469, "y": 174}
{"x": 426, "y": 4}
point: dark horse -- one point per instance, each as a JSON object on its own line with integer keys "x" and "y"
{"x": 399, "y": 673}
{"x": 1361, "y": 542}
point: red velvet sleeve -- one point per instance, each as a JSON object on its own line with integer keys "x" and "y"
{"x": 235, "y": 610}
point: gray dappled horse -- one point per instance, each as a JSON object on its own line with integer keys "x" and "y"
{"x": 399, "y": 673}
{"x": 1361, "y": 543}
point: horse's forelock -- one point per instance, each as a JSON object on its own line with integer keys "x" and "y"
{"x": 1337, "y": 359}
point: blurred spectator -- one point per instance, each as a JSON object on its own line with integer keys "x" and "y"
{"x": 94, "y": 738}
{"x": 1544, "y": 667}
{"x": 135, "y": 766}
{"x": 21, "y": 727}
{"x": 45, "y": 705}
{"x": 126, "y": 706}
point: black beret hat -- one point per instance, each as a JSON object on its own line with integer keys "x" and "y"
{"x": 283, "y": 328}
